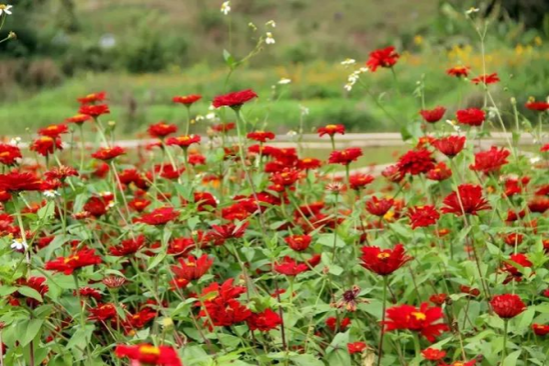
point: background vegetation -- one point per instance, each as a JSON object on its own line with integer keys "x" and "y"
{"x": 142, "y": 53}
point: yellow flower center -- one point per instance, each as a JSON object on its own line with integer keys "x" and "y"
{"x": 331, "y": 127}
{"x": 2, "y": 6}
{"x": 149, "y": 350}
{"x": 419, "y": 315}
{"x": 71, "y": 258}
{"x": 383, "y": 255}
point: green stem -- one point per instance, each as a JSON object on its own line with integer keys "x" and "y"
{"x": 381, "y": 329}
{"x": 504, "y": 350}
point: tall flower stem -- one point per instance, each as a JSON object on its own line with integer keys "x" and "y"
{"x": 82, "y": 307}
{"x": 82, "y": 146}
{"x": 381, "y": 329}
{"x": 504, "y": 350}
{"x": 188, "y": 125}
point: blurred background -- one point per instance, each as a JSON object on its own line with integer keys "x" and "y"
{"x": 143, "y": 52}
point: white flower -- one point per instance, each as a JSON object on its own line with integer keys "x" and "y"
{"x": 284, "y": 81}
{"x": 199, "y": 117}
{"x": 210, "y": 116}
{"x": 50, "y": 193}
{"x": 453, "y": 124}
{"x": 270, "y": 39}
{"x": 291, "y": 133}
{"x": 472, "y": 10}
{"x": 535, "y": 159}
{"x": 271, "y": 23}
{"x": 353, "y": 78}
{"x": 226, "y": 7}
{"x": 19, "y": 244}
{"x": 252, "y": 26}
{"x": 5, "y": 9}
{"x": 15, "y": 141}
{"x": 304, "y": 110}
{"x": 348, "y": 62}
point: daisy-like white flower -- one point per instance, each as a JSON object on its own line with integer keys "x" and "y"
{"x": 472, "y": 10}
{"x": 15, "y": 141}
{"x": 270, "y": 39}
{"x": 284, "y": 81}
{"x": 271, "y": 23}
{"x": 19, "y": 244}
{"x": 226, "y": 7}
{"x": 5, "y": 9}
{"x": 453, "y": 124}
{"x": 252, "y": 26}
{"x": 353, "y": 78}
{"x": 348, "y": 62}
{"x": 50, "y": 193}
{"x": 210, "y": 116}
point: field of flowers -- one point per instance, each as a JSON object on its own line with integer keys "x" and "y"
{"x": 222, "y": 249}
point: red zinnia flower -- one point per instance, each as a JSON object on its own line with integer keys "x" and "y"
{"x": 139, "y": 204}
{"x": 422, "y": 216}
{"x": 440, "y": 172}
{"x": 161, "y": 129}
{"x": 486, "y": 79}
{"x": 298, "y": 243}
{"x": 458, "y": 71}
{"x": 507, "y": 306}
{"x": 128, "y": 247}
{"x": 345, "y": 157}
{"x": 331, "y": 130}
{"x": 46, "y": 145}
{"x": 469, "y": 201}
{"x": 149, "y": 354}
{"x": 160, "y": 216}
{"x": 356, "y": 347}
{"x": 384, "y": 261}
{"x": 260, "y": 136}
{"x": 438, "y": 299}
{"x": 433, "y": 115}
{"x": 491, "y": 160}
{"x": 422, "y": 320}
{"x": 224, "y": 127}
{"x": 471, "y": 116}
{"x": 392, "y": 173}
{"x": 309, "y": 163}
{"x": 53, "y": 131}
{"x": 108, "y": 153}
{"x": 265, "y": 321}
{"x": 187, "y": 99}
{"x": 94, "y": 110}
{"x": 332, "y": 323}
{"x": 9, "y": 154}
{"x": 235, "y": 99}
{"x": 16, "y": 182}
{"x": 416, "y": 162}
{"x": 184, "y": 141}
{"x": 450, "y": 145}
{"x": 540, "y": 329}
{"x": 67, "y": 265}
{"x": 509, "y": 267}
{"x": 92, "y": 98}
{"x": 379, "y": 207}
{"x": 358, "y": 181}
{"x": 193, "y": 268}
{"x": 386, "y": 57}
{"x": 537, "y": 106}
{"x": 433, "y": 354}
{"x": 78, "y": 119}
{"x": 290, "y": 267}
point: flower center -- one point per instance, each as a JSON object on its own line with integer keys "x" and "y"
{"x": 3, "y": 7}
{"x": 71, "y": 259}
{"x": 383, "y": 255}
{"x": 149, "y": 350}
{"x": 419, "y": 315}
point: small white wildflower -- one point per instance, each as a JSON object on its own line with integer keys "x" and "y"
{"x": 50, "y": 193}
{"x": 284, "y": 81}
{"x": 304, "y": 110}
{"x": 210, "y": 116}
{"x": 453, "y": 124}
{"x": 492, "y": 112}
{"x": 271, "y": 23}
{"x": 111, "y": 204}
{"x": 535, "y": 159}
{"x": 472, "y": 10}
{"x": 363, "y": 70}
{"x": 226, "y": 7}
{"x": 199, "y": 117}
{"x": 5, "y": 9}
{"x": 291, "y": 133}
{"x": 348, "y": 62}
{"x": 348, "y": 87}
{"x": 19, "y": 244}
{"x": 270, "y": 39}
{"x": 15, "y": 141}
{"x": 252, "y": 26}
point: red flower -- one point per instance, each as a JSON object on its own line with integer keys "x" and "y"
{"x": 17, "y": 182}
{"x": 290, "y": 267}
{"x": 265, "y": 321}
{"x": 61, "y": 172}
{"x": 53, "y": 131}
{"x": 423, "y": 216}
{"x": 223, "y": 308}
{"x": 235, "y": 99}
{"x": 433, "y": 354}
{"x": 94, "y": 110}
{"x": 471, "y": 116}
{"x": 384, "y": 261}
{"x": 433, "y": 115}
{"x": 260, "y": 136}
{"x": 220, "y": 233}
{"x": 9, "y": 154}
{"x": 193, "y": 268}
{"x": 491, "y": 160}
{"x": 309, "y": 163}
{"x": 537, "y": 106}
{"x": 345, "y": 157}
{"x": 46, "y": 145}
{"x": 166, "y": 171}
{"x": 92, "y": 98}
{"x": 379, "y": 207}
{"x": 438, "y": 299}
{"x": 507, "y": 306}
{"x": 187, "y": 99}
{"x": 36, "y": 283}
{"x": 128, "y": 247}
{"x": 440, "y": 172}
{"x": 331, "y": 322}
{"x": 204, "y": 201}
{"x": 460, "y": 363}
{"x": 358, "y": 181}
{"x": 540, "y": 329}
{"x": 392, "y": 173}
{"x": 331, "y": 130}
{"x": 224, "y": 127}
{"x": 160, "y": 216}
{"x": 161, "y": 129}
{"x": 78, "y": 119}
{"x": 184, "y": 141}
{"x": 67, "y": 265}
{"x": 416, "y": 162}
{"x": 422, "y": 320}
{"x": 458, "y": 71}
{"x": 470, "y": 291}
{"x": 96, "y": 206}
{"x": 486, "y": 79}
{"x": 139, "y": 204}
{"x": 450, "y": 145}
{"x": 286, "y": 178}
{"x": 103, "y": 312}
{"x": 356, "y": 347}
{"x": 538, "y": 204}
{"x": 513, "y": 239}
{"x": 469, "y": 201}
{"x": 510, "y": 267}
{"x": 149, "y": 354}
{"x": 108, "y": 153}
{"x": 298, "y": 243}
{"x": 386, "y": 57}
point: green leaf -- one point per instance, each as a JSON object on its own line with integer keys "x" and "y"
{"x": 511, "y": 360}
{"x": 306, "y": 360}
{"x": 156, "y": 260}
{"x": 29, "y": 330}
{"x": 229, "y": 59}
{"x": 7, "y": 290}
{"x": 47, "y": 211}
{"x": 30, "y": 292}
{"x": 81, "y": 337}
